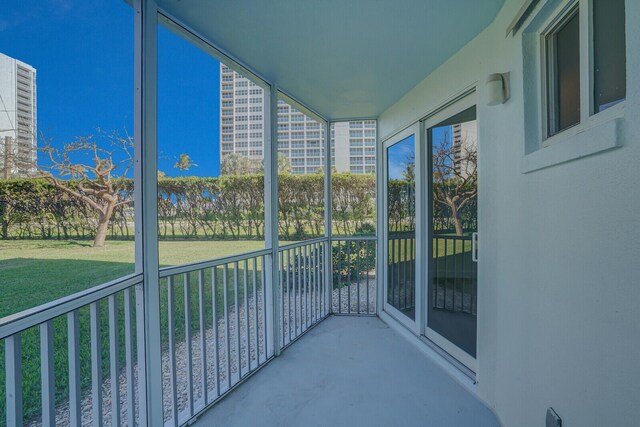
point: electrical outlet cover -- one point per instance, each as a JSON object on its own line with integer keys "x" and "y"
{"x": 553, "y": 419}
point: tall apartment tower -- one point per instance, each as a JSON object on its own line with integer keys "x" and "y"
{"x": 299, "y": 137}
{"x": 465, "y": 144}
{"x": 18, "y": 118}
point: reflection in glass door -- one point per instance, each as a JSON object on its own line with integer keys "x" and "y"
{"x": 452, "y": 295}
{"x": 401, "y": 227}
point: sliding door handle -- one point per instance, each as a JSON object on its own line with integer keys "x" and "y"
{"x": 474, "y": 247}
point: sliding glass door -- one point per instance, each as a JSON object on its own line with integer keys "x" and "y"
{"x": 402, "y": 209}
{"x": 452, "y": 225}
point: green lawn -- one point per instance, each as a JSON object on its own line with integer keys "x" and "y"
{"x": 33, "y": 272}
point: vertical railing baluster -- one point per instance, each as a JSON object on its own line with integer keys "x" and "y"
{"x": 399, "y": 270}
{"x": 141, "y": 365}
{"x": 289, "y": 321}
{"x": 326, "y": 282}
{"x": 391, "y": 286}
{"x": 73, "y": 346}
{"x": 237, "y": 319}
{"x": 339, "y": 279}
{"x": 114, "y": 365}
{"x": 436, "y": 272}
{"x": 359, "y": 249}
{"x": 225, "y": 294}
{"x": 216, "y": 339}
{"x": 171, "y": 325}
{"x": 301, "y": 280}
{"x": 13, "y": 379}
{"x": 247, "y": 324}
{"x": 47, "y": 374}
{"x": 264, "y": 308}
{"x": 187, "y": 340}
{"x": 366, "y": 261}
{"x": 446, "y": 273}
{"x": 320, "y": 296}
{"x": 203, "y": 340}
{"x": 256, "y": 311}
{"x": 128, "y": 351}
{"x": 348, "y": 275}
{"x": 413, "y": 270}
{"x": 405, "y": 269}
{"x": 316, "y": 283}
{"x": 282, "y": 272}
{"x": 307, "y": 287}
{"x": 454, "y": 272}
{"x": 96, "y": 364}
{"x": 295, "y": 292}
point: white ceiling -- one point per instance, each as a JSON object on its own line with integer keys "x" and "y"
{"x": 342, "y": 58}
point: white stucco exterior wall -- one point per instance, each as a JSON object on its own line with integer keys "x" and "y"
{"x": 559, "y": 271}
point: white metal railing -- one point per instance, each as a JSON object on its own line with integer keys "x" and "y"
{"x": 111, "y": 394}
{"x": 354, "y": 275}
{"x": 303, "y": 289}
{"x": 216, "y": 329}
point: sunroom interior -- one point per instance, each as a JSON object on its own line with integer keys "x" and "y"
{"x": 524, "y": 316}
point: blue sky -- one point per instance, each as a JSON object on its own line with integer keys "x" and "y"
{"x": 83, "y": 53}
{"x": 399, "y": 153}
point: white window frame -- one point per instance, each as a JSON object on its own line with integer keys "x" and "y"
{"x": 588, "y": 115}
{"x": 597, "y": 131}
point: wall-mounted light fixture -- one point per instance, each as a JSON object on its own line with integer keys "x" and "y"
{"x": 498, "y": 89}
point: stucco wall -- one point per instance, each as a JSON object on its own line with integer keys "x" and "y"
{"x": 559, "y": 271}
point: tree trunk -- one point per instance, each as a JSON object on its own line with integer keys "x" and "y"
{"x": 103, "y": 226}
{"x": 456, "y": 219}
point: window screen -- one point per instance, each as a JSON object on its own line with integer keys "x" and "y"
{"x": 609, "y": 56}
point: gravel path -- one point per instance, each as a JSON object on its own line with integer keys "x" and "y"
{"x": 349, "y": 294}
{"x": 252, "y": 351}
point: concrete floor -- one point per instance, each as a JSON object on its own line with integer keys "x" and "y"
{"x": 350, "y": 371}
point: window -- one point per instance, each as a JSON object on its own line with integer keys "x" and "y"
{"x": 593, "y": 29}
{"x": 563, "y": 74}
{"x": 609, "y": 58}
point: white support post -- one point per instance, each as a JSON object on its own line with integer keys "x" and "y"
{"x": 328, "y": 206}
{"x": 381, "y": 260}
{"x": 146, "y": 214}
{"x": 271, "y": 219}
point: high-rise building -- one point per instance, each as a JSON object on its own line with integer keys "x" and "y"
{"x": 353, "y": 144}
{"x": 18, "y": 118}
{"x": 465, "y": 146}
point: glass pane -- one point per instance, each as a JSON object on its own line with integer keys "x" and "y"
{"x": 353, "y": 179}
{"x": 211, "y": 151}
{"x": 609, "y": 53}
{"x": 401, "y": 217}
{"x": 67, "y": 115}
{"x": 453, "y": 285}
{"x": 565, "y": 71}
{"x": 300, "y": 175}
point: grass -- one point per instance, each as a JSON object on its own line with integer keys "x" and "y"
{"x": 33, "y": 272}
{"x": 36, "y": 272}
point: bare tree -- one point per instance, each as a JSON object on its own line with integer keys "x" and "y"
{"x": 93, "y": 169}
{"x": 455, "y": 176}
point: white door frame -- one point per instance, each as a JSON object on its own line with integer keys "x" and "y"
{"x": 413, "y": 325}
{"x": 457, "y": 106}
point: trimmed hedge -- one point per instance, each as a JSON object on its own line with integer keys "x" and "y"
{"x": 226, "y": 207}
